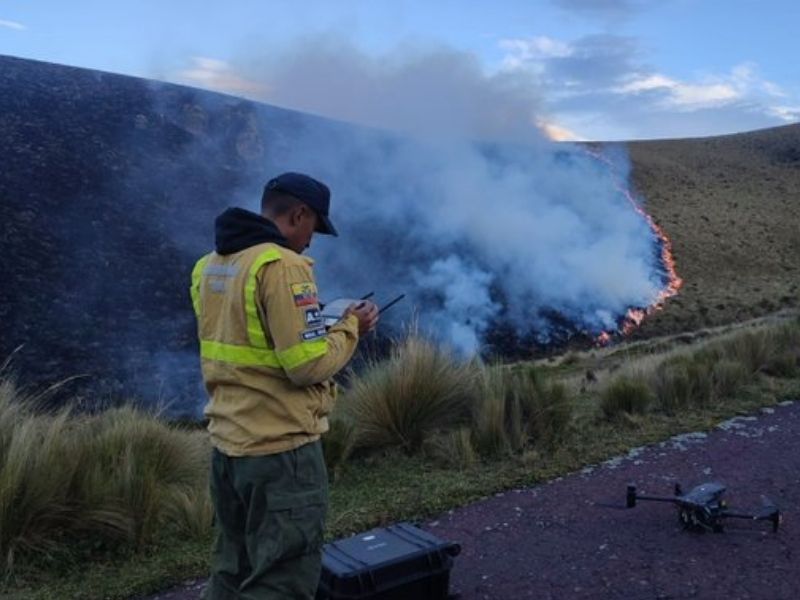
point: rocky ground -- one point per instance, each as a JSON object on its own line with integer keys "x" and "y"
{"x": 558, "y": 541}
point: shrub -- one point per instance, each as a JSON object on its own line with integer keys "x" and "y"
{"x": 625, "y": 394}
{"x": 419, "y": 389}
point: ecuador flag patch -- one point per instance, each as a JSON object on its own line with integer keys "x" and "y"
{"x": 304, "y": 294}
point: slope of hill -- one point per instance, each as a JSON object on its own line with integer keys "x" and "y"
{"x": 110, "y": 184}
{"x": 731, "y": 206}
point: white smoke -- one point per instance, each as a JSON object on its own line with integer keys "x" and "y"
{"x": 466, "y": 304}
{"x": 471, "y": 211}
{"x": 476, "y": 233}
{"x": 423, "y": 90}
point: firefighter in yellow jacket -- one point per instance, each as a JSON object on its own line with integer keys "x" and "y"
{"x": 267, "y": 361}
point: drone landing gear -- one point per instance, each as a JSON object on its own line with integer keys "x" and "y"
{"x": 689, "y": 519}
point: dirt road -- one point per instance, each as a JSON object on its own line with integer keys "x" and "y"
{"x": 553, "y": 542}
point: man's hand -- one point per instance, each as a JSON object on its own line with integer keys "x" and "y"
{"x": 367, "y": 314}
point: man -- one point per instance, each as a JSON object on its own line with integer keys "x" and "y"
{"x": 267, "y": 361}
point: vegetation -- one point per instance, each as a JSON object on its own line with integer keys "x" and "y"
{"x": 625, "y": 395}
{"x": 124, "y": 492}
{"x": 729, "y": 207}
{"x": 73, "y": 486}
{"x": 401, "y": 401}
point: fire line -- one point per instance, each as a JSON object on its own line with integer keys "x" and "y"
{"x": 634, "y": 316}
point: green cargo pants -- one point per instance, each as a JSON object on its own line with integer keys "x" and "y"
{"x": 270, "y": 517}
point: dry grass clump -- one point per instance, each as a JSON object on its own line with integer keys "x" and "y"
{"x": 516, "y": 409}
{"x": 138, "y": 466}
{"x": 337, "y": 443}
{"x": 453, "y": 449}
{"x": 717, "y": 369}
{"x": 728, "y": 375}
{"x": 492, "y": 414}
{"x": 421, "y": 388}
{"x": 625, "y": 394}
{"x": 681, "y": 382}
{"x": 114, "y": 479}
{"x": 425, "y": 399}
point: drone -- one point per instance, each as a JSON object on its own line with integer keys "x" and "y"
{"x": 703, "y": 509}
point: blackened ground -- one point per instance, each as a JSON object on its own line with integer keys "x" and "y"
{"x": 554, "y": 542}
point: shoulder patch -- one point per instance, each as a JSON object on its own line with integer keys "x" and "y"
{"x": 304, "y": 294}
{"x": 314, "y": 334}
{"x": 313, "y": 317}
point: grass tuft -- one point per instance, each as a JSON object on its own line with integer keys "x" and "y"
{"x": 625, "y": 395}
{"x": 337, "y": 443}
{"x": 420, "y": 389}
{"x": 517, "y": 408}
{"x": 93, "y": 482}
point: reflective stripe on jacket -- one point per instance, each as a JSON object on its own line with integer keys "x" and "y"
{"x": 267, "y": 358}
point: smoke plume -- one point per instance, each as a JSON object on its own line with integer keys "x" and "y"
{"x": 465, "y": 206}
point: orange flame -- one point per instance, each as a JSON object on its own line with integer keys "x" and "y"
{"x": 635, "y": 316}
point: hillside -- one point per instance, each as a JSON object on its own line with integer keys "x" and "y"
{"x": 731, "y": 206}
{"x": 110, "y": 184}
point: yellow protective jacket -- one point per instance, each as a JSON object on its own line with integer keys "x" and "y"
{"x": 267, "y": 358}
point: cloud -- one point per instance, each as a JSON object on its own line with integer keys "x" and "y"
{"x": 682, "y": 95}
{"x": 12, "y": 25}
{"x": 788, "y": 114}
{"x": 522, "y": 51}
{"x": 601, "y": 86}
{"x": 217, "y": 75}
{"x": 604, "y": 9}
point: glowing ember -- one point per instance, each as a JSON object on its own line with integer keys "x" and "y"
{"x": 635, "y": 316}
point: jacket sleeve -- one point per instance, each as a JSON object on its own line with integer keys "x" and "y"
{"x": 308, "y": 353}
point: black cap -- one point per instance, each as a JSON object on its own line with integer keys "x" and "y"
{"x": 314, "y": 193}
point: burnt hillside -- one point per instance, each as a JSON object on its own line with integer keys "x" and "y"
{"x": 110, "y": 185}
{"x": 108, "y": 191}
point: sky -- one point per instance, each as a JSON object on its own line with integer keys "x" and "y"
{"x": 574, "y": 69}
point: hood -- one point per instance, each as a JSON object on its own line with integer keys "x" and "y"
{"x": 237, "y": 229}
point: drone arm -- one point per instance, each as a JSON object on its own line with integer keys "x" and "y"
{"x": 774, "y": 516}
{"x": 632, "y": 497}
{"x": 733, "y": 515}
{"x": 657, "y": 498}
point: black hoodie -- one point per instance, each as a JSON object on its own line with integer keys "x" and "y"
{"x": 237, "y": 229}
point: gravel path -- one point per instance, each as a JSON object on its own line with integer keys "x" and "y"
{"x": 553, "y": 542}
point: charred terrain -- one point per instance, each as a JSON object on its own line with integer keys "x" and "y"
{"x": 110, "y": 184}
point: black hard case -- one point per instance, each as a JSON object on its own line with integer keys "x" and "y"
{"x": 399, "y": 562}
